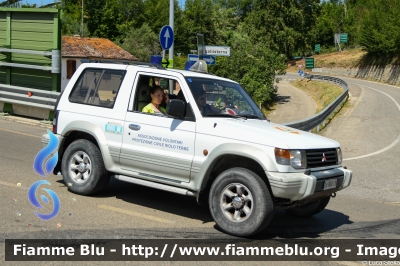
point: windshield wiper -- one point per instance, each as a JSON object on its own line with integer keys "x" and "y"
{"x": 226, "y": 115}
{"x": 253, "y": 116}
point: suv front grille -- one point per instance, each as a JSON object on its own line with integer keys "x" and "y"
{"x": 316, "y": 158}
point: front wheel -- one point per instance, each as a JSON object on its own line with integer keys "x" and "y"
{"x": 309, "y": 209}
{"x": 83, "y": 169}
{"x": 240, "y": 202}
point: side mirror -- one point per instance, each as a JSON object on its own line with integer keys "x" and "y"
{"x": 176, "y": 108}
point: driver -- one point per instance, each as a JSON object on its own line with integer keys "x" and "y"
{"x": 201, "y": 100}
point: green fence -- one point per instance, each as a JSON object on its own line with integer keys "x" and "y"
{"x": 29, "y": 29}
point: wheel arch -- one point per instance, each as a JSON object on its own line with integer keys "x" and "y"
{"x": 229, "y": 156}
{"x": 84, "y": 130}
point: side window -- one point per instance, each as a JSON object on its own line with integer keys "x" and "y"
{"x": 97, "y": 87}
{"x": 146, "y": 84}
{"x": 71, "y": 68}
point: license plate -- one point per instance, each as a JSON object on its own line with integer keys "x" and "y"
{"x": 330, "y": 183}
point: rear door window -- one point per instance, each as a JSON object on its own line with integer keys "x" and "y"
{"x": 98, "y": 87}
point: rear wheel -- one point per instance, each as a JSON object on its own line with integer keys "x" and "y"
{"x": 240, "y": 202}
{"x": 309, "y": 209}
{"x": 83, "y": 169}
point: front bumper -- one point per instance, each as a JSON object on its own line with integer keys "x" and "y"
{"x": 299, "y": 186}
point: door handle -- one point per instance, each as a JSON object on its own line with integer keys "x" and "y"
{"x": 134, "y": 127}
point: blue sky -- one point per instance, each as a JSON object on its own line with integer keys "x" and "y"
{"x": 45, "y": 2}
{"x": 38, "y": 2}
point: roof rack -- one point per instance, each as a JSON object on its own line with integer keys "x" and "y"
{"x": 125, "y": 62}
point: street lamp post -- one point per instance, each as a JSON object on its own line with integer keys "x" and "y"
{"x": 82, "y": 21}
{"x": 171, "y": 24}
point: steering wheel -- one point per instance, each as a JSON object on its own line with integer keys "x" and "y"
{"x": 229, "y": 111}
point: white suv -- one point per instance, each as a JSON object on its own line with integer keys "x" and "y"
{"x": 232, "y": 158}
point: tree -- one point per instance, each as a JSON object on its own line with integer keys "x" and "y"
{"x": 142, "y": 43}
{"x": 197, "y": 18}
{"x": 72, "y": 18}
{"x": 131, "y": 15}
{"x": 225, "y": 24}
{"x": 251, "y": 64}
{"x": 239, "y": 8}
{"x": 156, "y": 14}
{"x": 11, "y": 3}
{"x": 284, "y": 25}
{"x": 380, "y": 30}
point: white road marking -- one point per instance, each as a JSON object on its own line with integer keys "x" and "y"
{"x": 398, "y": 105}
{"x": 375, "y": 153}
{"x": 386, "y": 148}
{"x": 21, "y": 133}
{"x": 355, "y": 105}
{"x": 136, "y": 214}
{"x": 14, "y": 185}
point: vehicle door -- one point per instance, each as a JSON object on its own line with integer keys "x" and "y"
{"x": 156, "y": 146}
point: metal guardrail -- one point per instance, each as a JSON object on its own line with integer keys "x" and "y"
{"x": 55, "y": 56}
{"x": 47, "y": 100}
{"x": 318, "y": 120}
{"x": 30, "y": 97}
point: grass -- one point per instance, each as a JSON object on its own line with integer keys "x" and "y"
{"x": 323, "y": 93}
{"x": 348, "y": 58}
{"x": 268, "y": 107}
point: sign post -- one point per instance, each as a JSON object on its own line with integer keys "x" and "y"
{"x": 200, "y": 45}
{"x": 171, "y": 24}
{"x": 166, "y": 40}
{"x": 341, "y": 38}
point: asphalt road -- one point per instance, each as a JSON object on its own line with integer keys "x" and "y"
{"x": 368, "y": 129}
{"x": 369, "y": 208}
{"x": 293, "y": 104}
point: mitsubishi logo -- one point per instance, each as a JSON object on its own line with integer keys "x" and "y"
{"x": 323, "y": 157}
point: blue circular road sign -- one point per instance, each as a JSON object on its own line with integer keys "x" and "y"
{"x": 166, "y": 37}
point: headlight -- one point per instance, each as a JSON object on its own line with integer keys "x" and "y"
{"x": 296, "y": 158}
{"x": 339, "y": 155}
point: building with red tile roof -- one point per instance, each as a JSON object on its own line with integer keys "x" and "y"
{"x": 75, "y": 48}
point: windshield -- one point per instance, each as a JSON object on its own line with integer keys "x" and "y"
{"x": 221, "y": 98}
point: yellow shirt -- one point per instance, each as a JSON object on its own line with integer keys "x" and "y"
{"x": 149, "y": 109}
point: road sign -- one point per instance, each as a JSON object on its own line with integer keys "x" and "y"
{"x": 210, "y": 59}
{"x": 344, "y": 37}
{"x": 317, "y": 48}
{"x": 168, "y": 63}
{"x": 218, "y": 50}
{"x": 309, "y": 62}
{"x": 166, "y": 37}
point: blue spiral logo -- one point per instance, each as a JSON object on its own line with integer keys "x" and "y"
{"x": 35, "y": 202}
{"x": 44, "y": 153}
{"x": 49, "y": 166}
